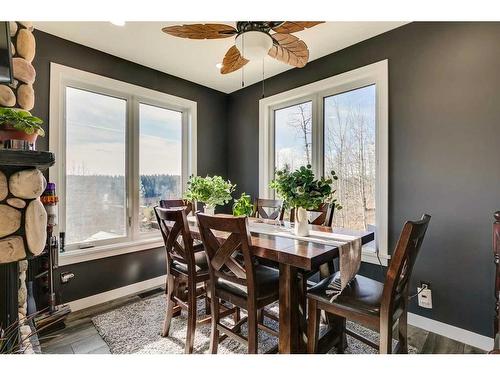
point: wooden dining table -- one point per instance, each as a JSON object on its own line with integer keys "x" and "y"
{"x": 292, "y": 255}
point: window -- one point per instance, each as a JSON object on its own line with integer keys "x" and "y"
{"x": 349, "y": 134}
{"x": 293, "y": 130}
{"x": 95, "y": 167}
{"x": 160, "y": 160}
{"x": 120, "y": 149}
{"x": 340, "y": 124}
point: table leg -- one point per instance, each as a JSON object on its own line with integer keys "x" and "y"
{"x": 289, "y": 310}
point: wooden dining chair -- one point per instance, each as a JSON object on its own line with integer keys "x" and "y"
{"x": 176, "y": 203}
{"x": 236, "y": 277}
{"x": 373, "y": 304}
{"x": 185, "y": 263}
{"x": 324, "y": 215}
{"x": 181, "y": 287}
{"x": 269, "y": 209}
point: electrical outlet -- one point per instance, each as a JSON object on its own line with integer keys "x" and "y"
{"x": 424, "y": 295}
{"x": 66, "y": 277}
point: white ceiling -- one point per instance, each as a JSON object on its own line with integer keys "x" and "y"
{"x": 144, "y": 43}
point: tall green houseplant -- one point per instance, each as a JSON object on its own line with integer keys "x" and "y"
{"x": 300, "y": 190}
{"x": 243, "y": 206}
{"x": 213, "y": 191}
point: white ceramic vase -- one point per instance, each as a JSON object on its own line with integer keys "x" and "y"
{"x": 301, "y": 226}
{"x": 209, "y": 210}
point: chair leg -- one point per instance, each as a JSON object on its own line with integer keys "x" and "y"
{"x": 170, "y": 306}
{"x": 403, "y": 333}
{"x": 260, "y": 316}
{"x": 214, "y": 335}
{"x": 385, "y": 344}
{"x": 342, "y": 337}
{"x": 237, "y": 317}
{"x": 207, "y": 300}
{"x": 313, "y": 326}
{"x": 191, "y": 324}
{"x": 302, "y": 313}
{"x": 252, "y": 331}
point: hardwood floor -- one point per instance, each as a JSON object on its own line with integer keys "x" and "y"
{"x": 81, "y": 337}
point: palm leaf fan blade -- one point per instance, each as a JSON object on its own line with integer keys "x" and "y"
{"x": 289, "y": 49}
{"x": 232, "y": 61}
{"x": 201, "y": 31}
{"x": 295, "y": 26}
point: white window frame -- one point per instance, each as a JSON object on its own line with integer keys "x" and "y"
{"x": 376, "y": 73}
{"x": 62, "y": 77}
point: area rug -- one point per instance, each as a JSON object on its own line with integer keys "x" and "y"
{"x": 135, "y": 329}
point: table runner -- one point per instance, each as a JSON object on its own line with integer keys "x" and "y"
{"x": 280, "y": 230}
{"x": 349, "y": 250}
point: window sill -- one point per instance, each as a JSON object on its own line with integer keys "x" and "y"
{"x": 99, "y": 252}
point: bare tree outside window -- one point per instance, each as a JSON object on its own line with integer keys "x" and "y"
{"x": 293, "y": 136}
{"x": 349, "y": 120}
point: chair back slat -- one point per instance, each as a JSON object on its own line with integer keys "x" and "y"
{"x": 274, "y": 209}
{"x": 324, "y": 215}
{"x": 403, "y": 260}
{"x": 227, "y": 243}
{"x": 176, "y": 236}
{"x": 225, "y": 251}
{"x": 177, "y": 203}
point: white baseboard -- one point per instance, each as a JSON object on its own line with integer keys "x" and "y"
{"x": 110, "y": 295}
{"x": 452, "y": 332}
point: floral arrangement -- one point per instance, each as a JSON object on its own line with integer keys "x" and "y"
{"x": 300, "y": 189}
{"x": 18, "y": 119}
{"x": 213, "y": 191}
{"x": 243, "y": 206}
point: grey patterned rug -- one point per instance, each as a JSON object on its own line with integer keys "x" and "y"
{"x": 135, "y": 329}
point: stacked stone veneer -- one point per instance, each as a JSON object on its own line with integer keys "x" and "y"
{"x": 23, "y": 219}
{"x": 23, "y": 46}
{"x": 22, "y": 298}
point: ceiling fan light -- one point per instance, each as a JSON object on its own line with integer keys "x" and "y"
{"x": 254, "y": 45}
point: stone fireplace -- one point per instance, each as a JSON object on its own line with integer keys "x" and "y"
{"x": 23, "y": 222}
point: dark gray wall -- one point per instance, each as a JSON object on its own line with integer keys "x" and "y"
{"x": 114, "y": 272}
{"x": 444, "y": 150}
{"x": 444, "y": 116}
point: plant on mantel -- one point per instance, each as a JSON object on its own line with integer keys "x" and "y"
{"x": 300, "y": 190}
{"x": 243, "y": 206}
{"x": 19, "y": 124}
{"x": 212, "y": 191}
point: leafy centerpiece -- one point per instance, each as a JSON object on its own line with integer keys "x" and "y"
{"x": 300, "y": 190}
{"x": 212, "y": 191}
{"x": 243, "y": 206}
{"x": 18, "y": 124}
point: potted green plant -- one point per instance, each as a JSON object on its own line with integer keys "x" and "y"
{"x": 300, "y": 190}
{"x": 243, "y": 206}
{"x": 213, "y": 191}
{"x": 18, "y": 124}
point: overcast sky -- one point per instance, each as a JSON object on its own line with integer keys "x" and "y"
{"x": 96, "y": 136}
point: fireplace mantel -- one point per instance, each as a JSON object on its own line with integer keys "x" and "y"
{"x": 26, "y": 159}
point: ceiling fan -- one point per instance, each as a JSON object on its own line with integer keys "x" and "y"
{"x": 254, "y": 40}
